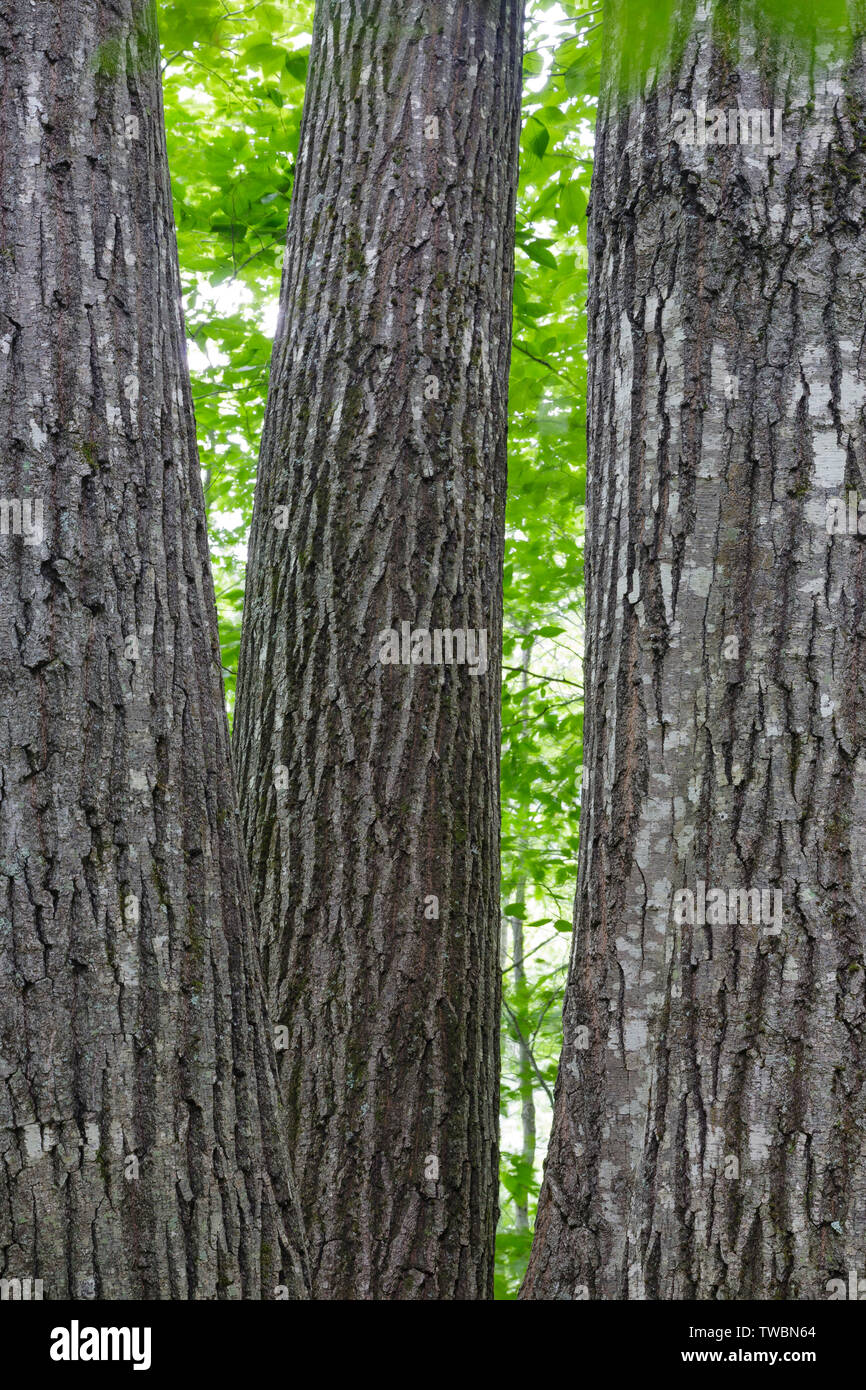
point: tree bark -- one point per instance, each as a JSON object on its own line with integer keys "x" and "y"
{"x": 142, "y": 1152}
{"x": 369, "y": 791}
{"x": 708, "y": 1138}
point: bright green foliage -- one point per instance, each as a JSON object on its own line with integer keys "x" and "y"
{"x": 233, "y": 92}
{"x": 649, "y": 38}
{"x": 542, "y": 713}
{"x": 234, "y": 84}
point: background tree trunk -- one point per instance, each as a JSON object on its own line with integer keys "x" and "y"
{"x": 525, "y": 1069}
{"x": 708, "y": 1138}
{"x": 525, "y": 1073}
{"x": 141, "y": 1144}
{"x": 369, "y": 791}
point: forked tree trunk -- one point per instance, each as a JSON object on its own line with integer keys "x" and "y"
{"x": 709, "y": 1134}
{"x": 141, "y": 1144}
{"x": 369, "y": 790}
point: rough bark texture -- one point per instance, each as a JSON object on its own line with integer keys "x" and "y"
{"x": 708, "y": 1138}
{"x": 142, "y": 1152}
{"x": 368, "y": 790}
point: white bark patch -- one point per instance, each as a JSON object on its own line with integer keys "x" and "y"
{"x": 852, "y": 394}
{"x": 636, "y": 1034}
{"x": 830, "y": 459}
{"x": 33, "y": 122}
{"x": 92, "y": 1140}
{"x": 700, "y": 580}
{"x": 666, "y": 579}
{"x": 33, "y": 1142}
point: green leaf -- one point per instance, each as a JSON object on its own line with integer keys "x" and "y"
{"x": 297, "y": 64}
{"x": 537, "y": 251}
{"x": 517, "y": 910}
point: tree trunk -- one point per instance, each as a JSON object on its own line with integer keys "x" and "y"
{"x": 708, "y": 1138}
{"x": 142, "y": 1145}
{"x": 369, "y": 787}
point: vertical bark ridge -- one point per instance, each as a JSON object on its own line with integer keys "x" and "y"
{"x": 368, "y": 789}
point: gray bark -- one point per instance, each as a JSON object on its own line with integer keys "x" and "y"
{"x": 142, "y": 1152}
{"x": 708, "y": 1139}
{"x": 369, "y": 791}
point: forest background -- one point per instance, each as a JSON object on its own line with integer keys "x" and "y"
{"x": 234, "y": 74}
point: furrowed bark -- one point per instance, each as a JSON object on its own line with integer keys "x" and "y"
{"x": 708, "y": 1137}
{"x": 142, "y": 1152}
{"x": 369, "y": 791}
